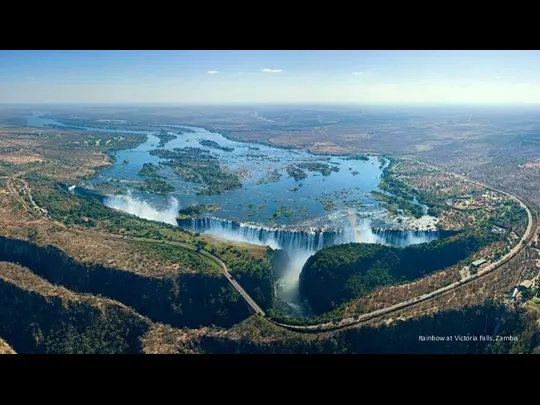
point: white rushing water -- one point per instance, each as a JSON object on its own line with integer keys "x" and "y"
{"x": 143, "y": 209}
{"x": 267, "y": 196}
{"x": 310, "y": 240}
{"x": 300, "y": 245}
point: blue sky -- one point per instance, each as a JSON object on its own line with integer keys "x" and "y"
{"x": 270, "y": 76}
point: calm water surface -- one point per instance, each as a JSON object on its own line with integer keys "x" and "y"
{"x": 254, "y": 202}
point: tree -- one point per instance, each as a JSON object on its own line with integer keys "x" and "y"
{"x": 32, "y": 234}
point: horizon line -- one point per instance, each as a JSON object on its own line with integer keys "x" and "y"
{"x": 344, "y": 103}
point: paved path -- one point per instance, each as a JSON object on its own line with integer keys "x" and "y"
{"x": 26, "y": 188}
{"x": 352, "y": 322}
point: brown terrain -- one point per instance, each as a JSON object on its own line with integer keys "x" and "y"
{"x": 507, "y": 159}
{"x": 5, "y": 348}
{"x": 124, "y": 326}
{"x": 85, "y": 246}
{"x": 152, "y": 268}
{"x": 257, "y": 333}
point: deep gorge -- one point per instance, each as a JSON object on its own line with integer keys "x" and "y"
{"x": 181, "y": 300}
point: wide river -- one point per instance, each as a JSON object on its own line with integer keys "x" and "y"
{"x": 304, "y": 208}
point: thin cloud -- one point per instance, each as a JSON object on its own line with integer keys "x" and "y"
{"x": 389, "y": 85}
{"x": 498, "y": 77}
{"x": 358, "y": 73}
{"x": 212, "y": 72}
{"x": 271, "y": 70}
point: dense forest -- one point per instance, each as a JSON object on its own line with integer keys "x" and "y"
{"x": 256, "y": 278}
{"x": 338, "y": 274}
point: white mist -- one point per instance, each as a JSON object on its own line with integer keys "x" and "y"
{"x": 143, "y": 209}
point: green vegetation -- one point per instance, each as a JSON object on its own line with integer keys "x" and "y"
{"x": 279, "y": 212}
{"x": 256, "y": 335}
{"x": 296, "y": 173}
{"x": 356, "y": 157}
{"x": 89, "y": 212}
{"x": 255, "y": 276}
{"x": 199, "y": 298}
{"x": 395, "y": 203}
{"x": 111, "y": 187}
{"x": 187, "y": 174}
{"x": 327, "y": 204}
{"x": 273, "y": 177}
{"x": 197, "y": 209}
{"x": 164, "y": 138}
{"x": 187, "y": 153}
{"x": 96, "y": 140}
{"x": 119, "y": 125}
{"x": 179, "y": 254}
{"x": 199, "y": 166}
{"x": 510, "y": 215}
{"x": 256, "y": 156}
{"x": 8, "y": 149}
{"x": 393, "y": 185}
{"x": 46, "y": 319}
{"x": 332, "y": 316}
{"x": 213, "y": 144}
{"x": 180, "y": 298}
{"x": 323, "y": 168}
{"x": 156, "y": 186}
{"x": 149, "y": 170}
{"x": 396, "y": 187}
{"x": 338, "y": 274}
{"x": 185, "y": 131}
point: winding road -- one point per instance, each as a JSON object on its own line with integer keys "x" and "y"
{"x": 351, "y": 322}
{"x": 44, "y": 214}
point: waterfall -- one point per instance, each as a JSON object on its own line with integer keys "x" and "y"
{"x": 403, "y": 238}
{"x": 301, "y": 244}
{"x": 310, "y": 240}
